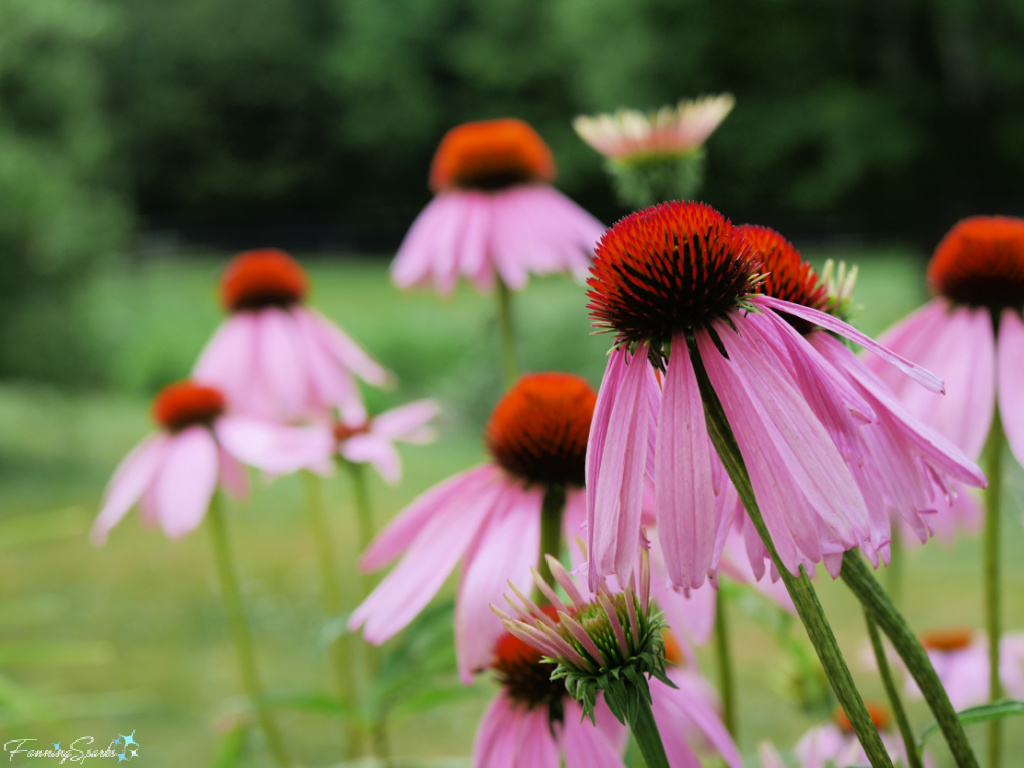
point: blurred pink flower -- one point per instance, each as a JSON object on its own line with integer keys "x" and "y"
{"x": 495, "y": 214}
{"x": 274, "y": 357}
{"x": 971, "y": 334}
{"x": 835, "y": 745}
{"x": 630, "y": 133}
{"x": 677, "y": 283}
{"x": 488, "y": 516}
{"x": 372, "y": 441}
{"x": 960, "y": 658}
{"x": 172, "y": 475}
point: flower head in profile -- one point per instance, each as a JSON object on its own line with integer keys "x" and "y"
{"x": 683, "y": 292}
{"x": 276, "y": 358}
{"x": 533, "y": 722}
{"x": 971, "y": 333}
{"x": 200, "y": 447}
{"x": 495, "y": 215}
{"x": 960, "y": 658}
{"x": 537, "y": 439}
{"x": 658, "y": 155}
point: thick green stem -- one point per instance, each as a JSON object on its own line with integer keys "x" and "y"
{"x": 858, "y": 577}
{"x": 723, "y": 655}
{"x": 645, "y": 731}
{"x": 341, "y": 649}
{"x": 508, "y": 335}
{"x": 800, "y": 589}
{"x": 894, "y": 571}
{"x": 367, "y": 530}
{"x": 993, "y": 611}
{"x": 240, "y": 632}
{"x": 550, "y": 529}
{"x": 906, "y": 732}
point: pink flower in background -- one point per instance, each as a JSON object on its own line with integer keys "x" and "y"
{"x": 534, "y": 723}
{"x": 630, "y": 133}
{"x": 276, "y": 358}
{"x": 488, "y": 516}
{"x": 372, "y": 441}
{"x": 960, "y": 658}
{"x": 835, "y": 745}
{"x": 678, "y": 285}
{"x": 494, "y": 214}
{"x": 172, "y": 475}
{"x": 971, "y": 334}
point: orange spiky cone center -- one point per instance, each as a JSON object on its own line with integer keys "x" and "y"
{"x": 491, "y": 155}
{"x": 947, "y": 640}
{"x": 669, "y": 269}
{"x": 539, "y": 430}
{"x": 265, "y": 278}
{"x": 185, "y": 403}
{"x": 980, "y": 262}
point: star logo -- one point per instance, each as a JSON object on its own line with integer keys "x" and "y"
{"x": 56, "y": 747}
{"x": 135, "y": 753}
{"x": 129, "y": 740}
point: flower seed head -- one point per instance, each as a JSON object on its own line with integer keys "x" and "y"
{"x": 185, "y": 403}
{"x": 491, "y": 155}
{"x": 267, "y": 278}
{"x": 980, "y": 262}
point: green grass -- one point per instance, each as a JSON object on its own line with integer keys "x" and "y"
{"x": 137, "y": 627}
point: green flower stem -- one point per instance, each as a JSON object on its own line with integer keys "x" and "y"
{"x": 645, "y": 732}
{"x": 876, "y": 602}
{"x": 723, "y": 656}
{"x": 550, "y": 529}
{"x": 894, "y": 571}
{"x": 240, "y": 632}
{"x": 367, "y": 530}
{"x": 341, "y": 648}
{"x": 800, "y": 589}
{"x": 906, "y": 732}
{"x": 993, "y": 612}
{"x": 508, "y": 335}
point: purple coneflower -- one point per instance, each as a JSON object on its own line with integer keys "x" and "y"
{"x": 488, "y": 516}
{"x": 834, "y": 745}
{"x": 494, "y": 214}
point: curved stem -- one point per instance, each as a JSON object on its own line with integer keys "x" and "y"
{"x": 723, "y": 656}
{"x": 906, "y": 732}
{"x": 800, "y": 589}
{"x": 232, "y": 595}
{"x": 993, "y": 612}
{"x": 508, "y": 335}
{"x": 341, "y": 646}
{"x": 894, "y": 572}
{"x": 858, "y": 577}
{"x": 367, "y": 530}
{"x": 645, "y": 731}
{"x": 550, "y": 529}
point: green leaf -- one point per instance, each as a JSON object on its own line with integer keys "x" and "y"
{"x": 982, "y": 713}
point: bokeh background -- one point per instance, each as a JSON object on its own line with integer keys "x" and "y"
{"x": 142, "y": 142}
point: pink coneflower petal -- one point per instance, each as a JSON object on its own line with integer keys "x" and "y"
{"x": 494, "y": 743}
{"x": 429, "y": 559}
{"x": 684, "y": 496}
{"x": 227, "y": 358}
{"x": 536, "y": 745}
{"x": 413, "y": 262}
{"x": 347, "y": 352}
{"x": 233, "y": 478}
{"x": 406, "y": 421}
{"x": 273, "y": 448}
{"x": 131, "y": 478}
{"x": 472, "y": 259}
{"x": 489, "y": 565}
{"x": 380, "y": 453}
{"x": 279, "y": 363}
{"x": 837, "y": 326}
{"x": 399, "y": 534}
{"x": 1011, "y": 377}
{"x": 770, "y": 757}
{"x": 583, "y": 745}
{"x": 615, "y": 519}
{"x": 186, "y": 480}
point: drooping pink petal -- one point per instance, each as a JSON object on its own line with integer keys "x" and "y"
{"x": 494, "y": 743}
{"x": 279, "y": 364}
{"x": 536, "y": 747}
{"x": 683, "y": 493}
{"x": 346, "y": 351}
{"x": 131, "y": 478}
{"x": 474, "y": 260}
{"x": 924, "y": 377}
{"x": 331, "y": 385}
{"x": 377, "y": 451}
{"x": 583, "y": 744}
{"x": 186, "y": 480}
{"x": 427, "y": 562}
{"x": 406, "y": 421}
{"x": 233, "y": 478}
{"x": 614, "y": 519}
{"x": 1011, "y": 380}
{"x": 912, "y": 337}
{"x": 694, "y": 701}
{"x": 491, "y": 562}
{"x": 228, "y": 360}
{"x": 399, "y": 534}
{"x": 274, "y": 448}
{"x": 414, "y": 261}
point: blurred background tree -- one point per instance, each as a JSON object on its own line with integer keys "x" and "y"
{"x": 60, "y": 211}
{"x": 310, "y": 124}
